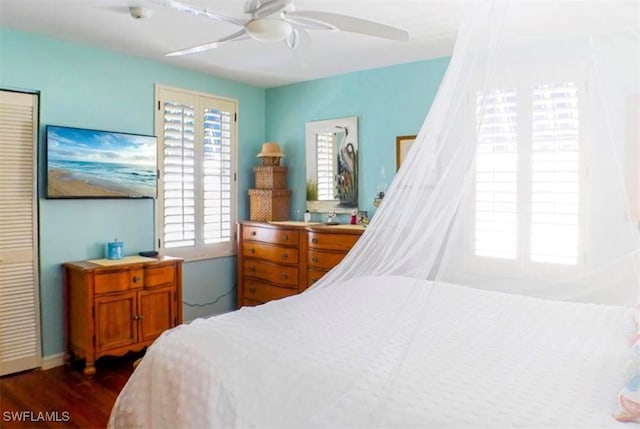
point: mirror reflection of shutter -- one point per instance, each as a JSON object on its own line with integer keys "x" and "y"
{"x": 496, "y": 195}
{"x": 555, "y": 197}
{"x": 19, "y": 304}
{"x": 179, "y": 175}
{"x": 325, "y": 164}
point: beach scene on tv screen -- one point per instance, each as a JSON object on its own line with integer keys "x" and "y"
{"x": 89, "y": 163}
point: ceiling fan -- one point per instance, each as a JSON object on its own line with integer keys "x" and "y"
{"x": 277, "y": 20}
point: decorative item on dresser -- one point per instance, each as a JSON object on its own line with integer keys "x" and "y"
{"x": 113, "y": 307}
{"x": 270, "y": 200}
{"x": 279, "y": 259}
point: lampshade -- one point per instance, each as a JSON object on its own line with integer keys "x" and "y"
{"x": 268, "y": 30}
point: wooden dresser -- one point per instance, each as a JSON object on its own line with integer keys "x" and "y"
{"x": 280, "y": 259}
{"x": 111, "y": 310}
{"x": 326, "y": 246}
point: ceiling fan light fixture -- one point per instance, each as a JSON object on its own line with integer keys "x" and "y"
{"x": 139, "y": 13}
{"x": 268, "y": 30}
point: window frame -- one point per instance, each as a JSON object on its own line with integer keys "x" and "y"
{"x": 523, "y": 266}
{"x": 199, "y": 251}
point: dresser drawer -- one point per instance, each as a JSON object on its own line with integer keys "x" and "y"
{"x": 323, "y": 260}
{"x": 314, "y": 275}
{"x": 118, "y": 281}
{"x": 282, "y": 255}
{"x": 261, "y": 292}
{"x": 246, "y": 302}
{"x": 281, "y": 274}
{"x": 285, "y": 237}
{"x": 326, "y": 241}
{"x": 158, "y": 276}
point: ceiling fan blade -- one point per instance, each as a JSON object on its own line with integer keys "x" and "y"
{"x": 298, "y": 37}
{"x": 251, "y": 5}
{"x": 240, "y": 35}
{"x": 334, "y": 21}
{"x": 264, "y": 8}
{"x": 194, "y": 10}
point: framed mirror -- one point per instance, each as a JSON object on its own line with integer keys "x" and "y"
{"x": 332, "y": 165}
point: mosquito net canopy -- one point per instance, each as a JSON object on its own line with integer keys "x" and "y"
{"x": 524, "y": 176}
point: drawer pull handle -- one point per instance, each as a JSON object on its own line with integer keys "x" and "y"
{"x": 284, "y": 276}
{"x": 253, "y": 233}
{"x": 252, "y": 290}
{"x": 252, "y": 250}
{"x": 136, "y": 279}
{"x": 137, "y": 317}
{"x": 252, "y": 269}
{"x": 314, "y": 259}
{"x": 314, "y": 240}
{"x": 284, "y": 237}
{"x": 313, "y": 279}
{"x": 284, "y": 256}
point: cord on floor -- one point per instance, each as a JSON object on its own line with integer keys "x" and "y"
{"x": 188, "y": 304}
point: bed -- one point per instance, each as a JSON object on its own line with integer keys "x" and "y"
{"x": 386, "y": 351}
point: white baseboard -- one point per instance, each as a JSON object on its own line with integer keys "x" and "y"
{"x": 52, "y": 361}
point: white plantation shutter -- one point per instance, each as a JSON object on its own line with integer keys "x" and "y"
{"x": 178, "y": 175}
{"x": 326, "y": 168}
{"x": 19, "y": 307}
{"x": 496, "y": 197}
{"x": 196, "y": 199}
{"x": 532, "y": 214}
{"x": 555, "y": 161}
{"x": 217, "y": 175}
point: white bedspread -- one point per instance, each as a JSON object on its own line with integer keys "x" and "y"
{"x": 367, "y": 354}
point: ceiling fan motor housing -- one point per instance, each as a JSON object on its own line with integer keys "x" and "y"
{"x": 268, "y": 29}
{"x": 139, "y": 12}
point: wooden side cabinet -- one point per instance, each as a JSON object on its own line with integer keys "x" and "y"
{"x": 116, "y": 309}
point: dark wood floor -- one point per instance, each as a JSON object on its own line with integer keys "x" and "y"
{"x": 69, "y": 397}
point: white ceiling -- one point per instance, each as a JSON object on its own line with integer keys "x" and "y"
{"x": 107, "y": 23}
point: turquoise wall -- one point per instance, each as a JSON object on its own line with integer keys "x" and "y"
{"x": 82, "y": 86}
{"x": 87, "y": 87}
{"x": 388, "y": 102}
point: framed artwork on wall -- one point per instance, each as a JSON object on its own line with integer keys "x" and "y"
{"x": 85, "y": 163}
{"x": 403, "y": 144}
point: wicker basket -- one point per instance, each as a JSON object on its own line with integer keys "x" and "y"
{"x": 269, "y": 204}
{"x": 271, "y": 177}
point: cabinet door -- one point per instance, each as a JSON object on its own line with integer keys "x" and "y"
{"x": 116, "y": 321}
{"x": 157, "y": 312}
{"x": 19, "y": 292}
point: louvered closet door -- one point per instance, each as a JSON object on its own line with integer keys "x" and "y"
{"x": 19, "y": 308}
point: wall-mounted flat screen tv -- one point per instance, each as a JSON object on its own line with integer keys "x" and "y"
{"x": 83, "y": 163}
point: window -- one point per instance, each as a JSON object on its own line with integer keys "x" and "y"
{"x": 196, "y": 209}
{"x": 528, "y": 174}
